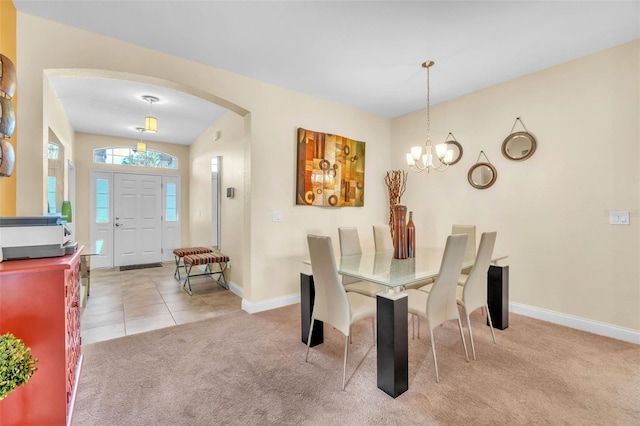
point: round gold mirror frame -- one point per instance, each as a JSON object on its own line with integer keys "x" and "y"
{"x": 456, "y": 146}
{"x": 519, "y": 146}
{"x": 487, "y": 181}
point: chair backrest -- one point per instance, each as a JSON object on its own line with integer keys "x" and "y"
{"x": 441, "y": 304}
{"x": 470, "y": 230}
{"x": 349, "y": 244}
{"x": 382, "y": 237}
{"x": 331, "y": 304}
{"x": 475, "y": 288}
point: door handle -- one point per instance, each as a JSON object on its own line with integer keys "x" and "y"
{"x": 118, "y": 225}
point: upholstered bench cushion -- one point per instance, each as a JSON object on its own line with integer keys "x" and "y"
{"x": 205, "y": 258}
{"x": 181, "y": 252}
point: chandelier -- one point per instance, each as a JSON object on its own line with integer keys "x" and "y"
{"x": 419, "y": 160}
{"x": 150, "y": 122}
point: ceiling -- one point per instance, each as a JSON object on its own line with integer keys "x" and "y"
{"x": 366, "y": 54}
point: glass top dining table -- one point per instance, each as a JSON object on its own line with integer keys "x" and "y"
{"x": 391, "y": 305}
{"x": 381, "y": 268}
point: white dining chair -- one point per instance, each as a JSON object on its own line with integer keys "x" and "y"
{"x": 382, "y": 237}
{"x": 439, "y": 304}
{"x": 470, "y": 250}
{"x": 473, "y": 295}
{"x": 333, "y": 305}
{"x": 350, "y": 245}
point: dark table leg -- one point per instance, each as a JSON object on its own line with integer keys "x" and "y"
{"x": 498, "y": 296}
{"x": 307, "y": 296}
{"x": 393, "y": 343}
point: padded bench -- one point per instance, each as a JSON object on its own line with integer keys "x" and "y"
{"x": 180, "y": 253}
{"x": 207, "y": 259}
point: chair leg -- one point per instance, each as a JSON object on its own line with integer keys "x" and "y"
{"x": 418, "y": 320}
{"x": 466, "y": 354}
{"x": 490, "y": 324}
{"x": 309, "y": 339}
{"x": 344, "y": 367}
{"x": 473, "y": 348}
{"x": 413, "y": 326}
{"x": 433, "y": 351}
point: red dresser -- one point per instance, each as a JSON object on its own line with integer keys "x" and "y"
{"x": 40, "y": 304}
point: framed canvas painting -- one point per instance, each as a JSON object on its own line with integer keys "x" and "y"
{"x": 330, "y": 170}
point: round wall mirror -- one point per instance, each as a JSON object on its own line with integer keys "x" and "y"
{"x": 457, "y": 151}
{"x": 519, "y": 146}
{"x": 482, "y": 175}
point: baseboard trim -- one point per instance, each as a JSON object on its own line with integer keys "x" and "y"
{"x": 277, "y": 302}
{"x": 600, "y": 328}
{"x": 236, "y": 289}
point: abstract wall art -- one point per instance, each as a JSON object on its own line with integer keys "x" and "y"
{"x": 330, "y": 170}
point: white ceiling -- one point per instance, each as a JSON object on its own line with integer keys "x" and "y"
{"x": 361, "y": 53}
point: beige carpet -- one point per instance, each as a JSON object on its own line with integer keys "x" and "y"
{"x": 250, "y": 370}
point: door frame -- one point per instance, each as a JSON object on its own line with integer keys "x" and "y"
{"x": 106, "y": 258}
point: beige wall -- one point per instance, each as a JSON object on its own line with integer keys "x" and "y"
{"x": 55, "y": 120}
{"x": 230, "y": 146}
{"x": 550, "y": 211}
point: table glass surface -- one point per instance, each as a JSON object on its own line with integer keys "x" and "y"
{"x": 381, "y": 268}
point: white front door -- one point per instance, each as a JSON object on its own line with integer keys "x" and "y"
{"x": 137, "y": 210}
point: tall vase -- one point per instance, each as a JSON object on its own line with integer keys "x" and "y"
{"x": 399, "y": 231}
{"x": 411, "y": 237}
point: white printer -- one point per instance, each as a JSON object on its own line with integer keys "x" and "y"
{"x": 32, "y": 237}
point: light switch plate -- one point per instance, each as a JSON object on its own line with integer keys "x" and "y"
{"x": 276, "y": 217}
{"x": 618, "y": 217}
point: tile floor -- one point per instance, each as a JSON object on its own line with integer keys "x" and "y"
{"x": 129, "y": 302}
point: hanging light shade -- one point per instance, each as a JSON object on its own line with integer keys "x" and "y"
{"x": 150, "y": 122}
{"x": 419, "y": 159}
{"x": 141, "y": 146}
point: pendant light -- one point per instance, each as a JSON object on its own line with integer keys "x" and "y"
{"x": 419, "y": 160}
{"x": 142, "y": 146}
{"x": 150, "y": 122}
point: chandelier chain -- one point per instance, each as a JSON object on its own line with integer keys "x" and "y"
{"x": 428, "y": 108}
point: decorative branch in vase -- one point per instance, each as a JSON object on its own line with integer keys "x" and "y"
{"x": 396, "y": 181}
